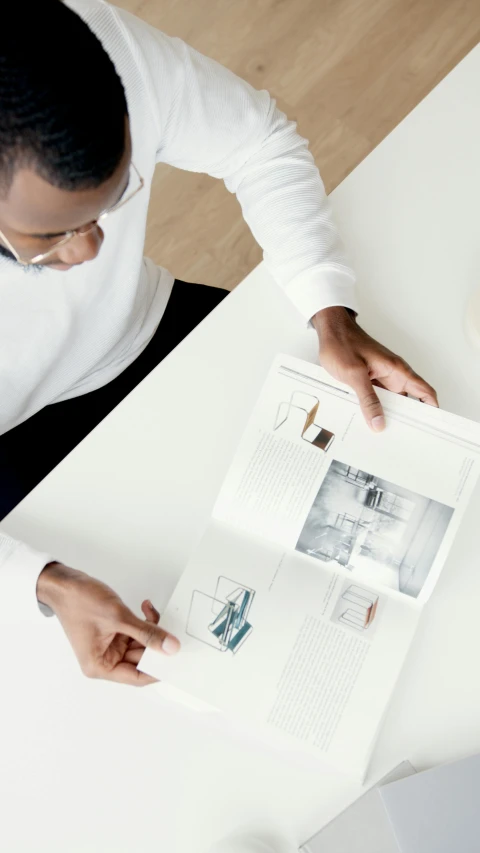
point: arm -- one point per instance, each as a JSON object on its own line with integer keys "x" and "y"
{"x": 209, "y": 120}
{"x": 20, "y": 567}
{"x": 107, "y": 638}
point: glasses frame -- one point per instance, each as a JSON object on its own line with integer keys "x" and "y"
{"x": 83, "y": 231}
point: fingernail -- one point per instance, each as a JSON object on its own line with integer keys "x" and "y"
{"x": 170, "y": 645}
{"x": 378, "y": 423}
{"x": 149, "y": 604}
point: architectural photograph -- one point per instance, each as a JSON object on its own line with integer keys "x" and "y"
{"x": 370, "y": 526}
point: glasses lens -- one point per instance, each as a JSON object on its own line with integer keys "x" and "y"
{"x": 135, "y": 184}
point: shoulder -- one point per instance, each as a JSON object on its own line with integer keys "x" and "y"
{"x": 146, "y": 59}
{"x": 117, "y": 28}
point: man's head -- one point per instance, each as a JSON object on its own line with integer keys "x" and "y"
{"x": 64, "y": 137}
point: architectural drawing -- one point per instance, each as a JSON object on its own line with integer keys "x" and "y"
{"x": 299, "y": 415}
{"x": 360, "y": 607}
{"x": 221, "y": 620}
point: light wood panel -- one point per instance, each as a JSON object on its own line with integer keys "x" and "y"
{"x": 347, "y": 70}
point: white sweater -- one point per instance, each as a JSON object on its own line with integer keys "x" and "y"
{"x": 64, "y": 334}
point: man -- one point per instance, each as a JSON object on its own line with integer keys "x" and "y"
{"x": 91, "y": 99}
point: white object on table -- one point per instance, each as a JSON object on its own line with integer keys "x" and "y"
{"x": 364, "y": 827}
{"x": 248, "y": 844}
{"x": 90, "y": 766}
{"x": 436, "y": 811}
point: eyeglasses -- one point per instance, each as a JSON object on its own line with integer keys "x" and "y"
{"x": 83, "y": 231}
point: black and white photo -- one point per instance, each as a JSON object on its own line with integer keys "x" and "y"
{"x": 371, "y": 526}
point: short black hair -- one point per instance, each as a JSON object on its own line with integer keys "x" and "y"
{"x": 62, "y": 103}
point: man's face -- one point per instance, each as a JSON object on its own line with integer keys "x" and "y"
{"x": 35, "y": 215}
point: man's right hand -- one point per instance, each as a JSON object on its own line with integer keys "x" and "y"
{"x": 351, "y": 355}
{"x": 107, "y": 638}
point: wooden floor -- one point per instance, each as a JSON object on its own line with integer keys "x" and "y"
{"x": 347, "y": 70}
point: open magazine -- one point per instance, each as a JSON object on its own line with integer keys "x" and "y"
{"x": 298, "y": 607}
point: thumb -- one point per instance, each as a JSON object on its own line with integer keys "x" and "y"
{"x": 149, "y": 634}
{"x": 369, "y": 403}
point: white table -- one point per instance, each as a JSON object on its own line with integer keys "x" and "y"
{"x": 89, "y": 766}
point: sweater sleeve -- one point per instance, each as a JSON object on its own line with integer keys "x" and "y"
{"x": 209, "y": 120}
{"x": 20, "y": 567}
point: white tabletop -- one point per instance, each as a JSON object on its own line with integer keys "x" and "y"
{"x": 89, "y": 766}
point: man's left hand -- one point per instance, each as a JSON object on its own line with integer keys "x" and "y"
{"x": 356, "y": 359}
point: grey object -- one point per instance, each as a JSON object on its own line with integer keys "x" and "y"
{"x": 363, "y": 827}
{"x": 437, "y": 811}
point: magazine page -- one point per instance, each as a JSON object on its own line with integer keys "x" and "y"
{"x": 272, "y": 638}
{"x": 310, "y": 475}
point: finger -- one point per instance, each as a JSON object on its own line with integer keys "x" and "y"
{"x": 379, "y": 384}
{"x": 151, "y": 615}
{"x": 403, "y": 380}
{"x": 127, "y": 673}
{"x": 150, "y": 612}
{"x": 134, "y": 655}
{"x": 148, "y": 634}
{"x": 369, "y": 402}
{"x": 116, "y": 649}
{"x": 417, "y": 387}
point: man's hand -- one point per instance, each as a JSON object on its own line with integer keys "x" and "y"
{"x": 353, "y": 357}
{"x": 107, "y": 638}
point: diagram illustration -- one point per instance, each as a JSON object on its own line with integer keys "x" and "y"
{"x": 304, "y": 423}
{"x": 221, "y": 620}
{"x": 357, "y": 607}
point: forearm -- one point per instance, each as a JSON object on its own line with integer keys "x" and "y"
{"x": 331, "y": 320}
{"x": 284, "y": 202}
{"x": 20, "y": 567}
{"x": 331, "y": 315}
{"x": 241, "y": 137}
